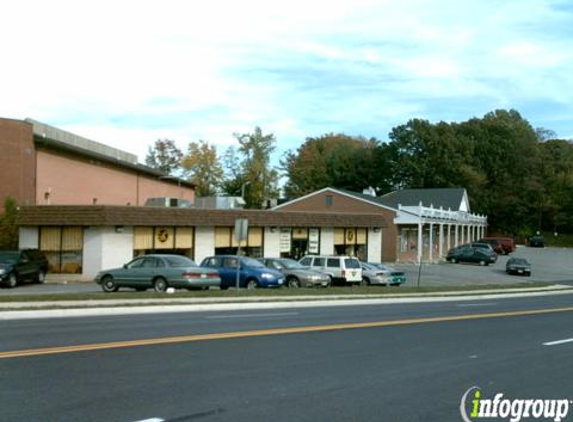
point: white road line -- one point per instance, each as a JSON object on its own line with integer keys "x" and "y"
{"x": 252, "y": 315}
{"x": 467, "y": 305}
{"x": 152, "y": 420}
{"x": 555, "y": 343}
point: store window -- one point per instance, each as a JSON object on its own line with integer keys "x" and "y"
{"x": 169, "y": 240}
{"x": 351, "y": 241}
{"x": 63, "y": 247}
{"x": 225, "y": 243}
{"x": 299, "y": 241}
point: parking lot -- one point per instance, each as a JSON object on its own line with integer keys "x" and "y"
{"x": 547, "y": 265}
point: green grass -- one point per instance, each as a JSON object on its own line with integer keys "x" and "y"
{"x": 262, "y": 293}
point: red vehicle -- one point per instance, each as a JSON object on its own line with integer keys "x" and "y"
{"x": 501, "y": 245}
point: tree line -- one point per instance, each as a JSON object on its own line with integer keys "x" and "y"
{"x": 519, "y": 176}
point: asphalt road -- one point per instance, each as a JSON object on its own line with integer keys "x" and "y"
{"x": 387, "y": 363}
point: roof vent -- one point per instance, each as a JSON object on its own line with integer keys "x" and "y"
{"x": 369, "y": 191}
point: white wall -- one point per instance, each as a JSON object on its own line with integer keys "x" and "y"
{"x": 272, "y": 243}
{"x": 29, "y": 238}
{"x": 204, "y": 243}
{"x": 105, "y": 248}
{"x": 374, "y": 245}
{"x": 326, "y": 241}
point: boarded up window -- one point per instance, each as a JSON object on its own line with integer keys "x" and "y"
{"x": 222, "y": 237}
{"x": 184, "y": 238}
{"x": 255, "y": 237}
{"x": 338, "y": 236}
{"x": 164, "y": 237}
{"x": 72, "y": 239}
{"x": 299, "y": 233}
{"x": 50, "y": 239}
{"x": 143, "y": 238}
{"x": 361, "y": 236}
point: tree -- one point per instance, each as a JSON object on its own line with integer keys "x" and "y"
{"x": 203, "y": 168}
{"x": 8, "y": 227}
{"x": 164, "y": 156}
{"x": 336, "y": 160}
{"x": 256, "y": 173}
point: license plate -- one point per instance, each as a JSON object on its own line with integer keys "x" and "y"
{"x": 325, "y": 283}
{"x": 520, "y": 271}
{"x": 203, "y": 275}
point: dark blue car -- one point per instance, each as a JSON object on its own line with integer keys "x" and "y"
{"x": 253, "y": 274}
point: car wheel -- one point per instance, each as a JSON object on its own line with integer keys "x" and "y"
{"x": 252, "y": 284}
{"x": 453, "y": 260}
{"x": 41, "y": 277}
{"x": 483, "y": 263}
{"x": 12, "y": 280}
{"x": 293, "y": 283}
{"x": 365, "y": 281}
{"x": 108, "y": 284}
{"x": 160, "y": 285}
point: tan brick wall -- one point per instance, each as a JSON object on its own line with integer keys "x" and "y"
{"x": 342, "y": 203}
{"x": 17, "y": 172}
{"x": 72, "y": 180}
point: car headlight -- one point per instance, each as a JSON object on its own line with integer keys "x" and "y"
{"x": 267, "y": 276}
{"x": 2, "y": 271}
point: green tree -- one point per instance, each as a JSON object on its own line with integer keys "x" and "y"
{"x": 8, "y": 227}
{"x": 203, "y": 168}
{"x": 256, "y": 173}
{"x": 164, "y": 156}
{"x": 336, "y": 160}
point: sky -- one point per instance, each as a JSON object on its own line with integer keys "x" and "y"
{"x": 126, "y": 73}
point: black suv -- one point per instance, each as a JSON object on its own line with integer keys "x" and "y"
{"x": 19, "y": 266}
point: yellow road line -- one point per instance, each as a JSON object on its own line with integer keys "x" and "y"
{"x": 268, "y": 332}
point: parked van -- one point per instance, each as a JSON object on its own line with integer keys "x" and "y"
{"x": 502, "y": 245}
{"x": 341, "y": 269}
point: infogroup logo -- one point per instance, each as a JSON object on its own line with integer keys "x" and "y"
{"x": 512, "y": 409}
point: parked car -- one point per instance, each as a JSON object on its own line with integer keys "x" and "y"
{"x": 536, "y": 241}
{"x": 340, "y": 269}
{"x": 296, "y": 274}
{"x": 501, "y": 245}
{"x": 485, "y": 246}
{"x": 373, "y": 273}
{"x": 252, "y": 273}
{"x": 518, "y": 265}
{"x": 466, "y": 253}
{"x": 158, "y": 271}
{"x": 24, "y": 265}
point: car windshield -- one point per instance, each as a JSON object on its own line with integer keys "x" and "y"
{"x": 519, "y": 261}
{"x": 252, "y": 263}
{"x": 291, "y": 264}
{"x": 9, "y": 257}
{"x": 180, "y": 261}
{"x": 352, "y": 263}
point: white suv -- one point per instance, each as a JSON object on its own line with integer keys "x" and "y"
{"x": 345, "y": 269}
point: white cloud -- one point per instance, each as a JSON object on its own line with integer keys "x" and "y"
{"x": 133, "y": 71}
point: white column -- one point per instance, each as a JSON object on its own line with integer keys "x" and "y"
{"x": 420, "y": 242}
{"x": 327, "y": 241}
{"x": 272, "y": 242}
{"x": 204, "y": 243}
{"x": 29, "y": 237}
{"x": 441, "y": 240}
{"x": 449, "y": 237}
{"x": 431, "y": 242}
{"x": 375, "y": 245}
{"x": 456, "y": 242}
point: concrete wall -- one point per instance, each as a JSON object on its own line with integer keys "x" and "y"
{"x": 326, "y": 241}
{"x": 29, "y": 238}
{"x": 375, "y": 243}
{"x": 105, "y": 248}
{"x": 74, "y": 180}
{"x": 271, "y": 243}
{"x": 204, "y": 243}
{"x": 18, "y": 169}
